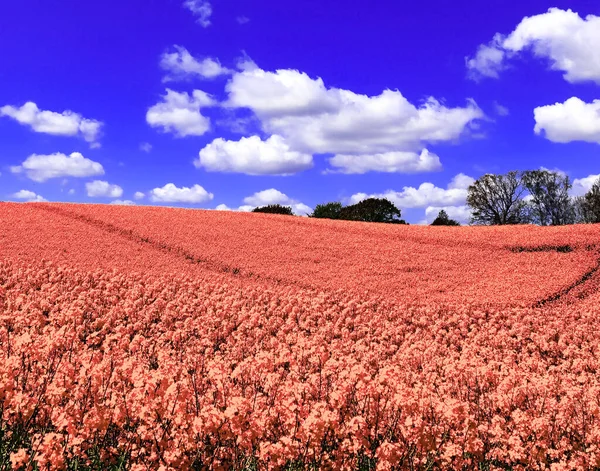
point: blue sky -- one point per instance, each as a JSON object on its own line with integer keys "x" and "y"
{"x": 229, "y": 104}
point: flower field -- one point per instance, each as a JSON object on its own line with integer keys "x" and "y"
{"x": 157, "y": 338}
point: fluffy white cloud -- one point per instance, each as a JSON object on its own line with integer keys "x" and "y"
{"x": 488, "y": 61}
{"x": 242, "y": 19}
{"x": 180, "y": 64}
{"x": 100, "y": 188}
{"x": 172, "y": 194}
{"x": 401, "y": 162}
{"x": 582, "y": 185}
{"x": 573, "y": 120}
{"x": 316, "y": 119}
{"x": 138, "y": 195}
{"x": 253, "y": 156}
{"x": 201, "y": 9}
{"x": 145, "y": 147}
{"x": 123, "y": 202}
{"x": 28, "y": 196}
{"x": 40, "y": 168}
{"x": 273, "y": 196}
{"x": 563, "y": 37}
{"x": 179, "y": 113}
{"x": 281, "y": 93}
{"x": 427, "y": 194}
{"x": 244, "y": 208}
{"x": 66, "y": 123}
{"x": 462, "y": 214}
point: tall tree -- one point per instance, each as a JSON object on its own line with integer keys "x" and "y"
{"x": 549, "y": 201}
{"x": 497, "y": 199}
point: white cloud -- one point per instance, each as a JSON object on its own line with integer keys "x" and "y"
{"x": 180, "y": 65}
{"x": 29, "y": 196}
{"x": 244, "y": 208}
{"x": 400, "y": 162}
{"x": 273, "y": 196}
{"x": 138, "y": 195}
{"x": 179, "y": 113}
{"x": 573, "y": 120}
{"x": 488, "y": 61}
{"x": 242, "y": 19}
{"x": 66, "y": 123}
{"x": 462, "y": 214}
{"x": 40, "y": 168}
{"x": 201, "y": 9}
{"x": 71, "y": 191}
{"x": 172, "y": 194}
{"x": 461, "y": 182}
{"x": 501, "y": 110}
{"x": 253, "y": 156}
{"x": 563, "y": 37}
{"x": 582, "y": 185}
{"x": 280, "y": 93}
{"x": 145, "y": 147}
{"x": 427, "y": 194}
{"x": 100, "y": 188}
{"x": 316, "y": 119}
{"x": 123, "y": 202}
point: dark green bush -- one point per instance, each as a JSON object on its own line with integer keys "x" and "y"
{"x": 274, "y": 209}
{"x": 372, "y": 210}
{"x": 327, "y": 211}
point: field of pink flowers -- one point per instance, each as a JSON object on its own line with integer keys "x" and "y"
{"x": 155, "y": 338}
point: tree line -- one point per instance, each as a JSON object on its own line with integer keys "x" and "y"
{"x": 368, "y": 210}
{"x": 531, "y": 197}
{"x": 528, "y": 197}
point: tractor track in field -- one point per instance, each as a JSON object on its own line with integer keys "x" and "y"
{"x": 166, "y": 248}
{"x": 219, "y": 267}
{"x": 571, "y": 290}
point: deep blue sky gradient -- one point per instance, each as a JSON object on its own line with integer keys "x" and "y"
{"x": 101, "y": 59}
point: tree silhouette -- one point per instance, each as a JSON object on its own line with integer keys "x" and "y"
{"x": 372, "y": 210}
{"x": 497, "y": 199}
{"x": 327, "y": 211}
{"x": 274, "y": 209}
{"x": 443, "y": 219}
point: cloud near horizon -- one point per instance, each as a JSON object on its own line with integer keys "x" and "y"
{"x": 40, "y": 168}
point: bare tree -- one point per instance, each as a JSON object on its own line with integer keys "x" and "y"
{"x": 497, "y": 199}
{"x": 549, "y": 200}
{"x": 587, "y": 207}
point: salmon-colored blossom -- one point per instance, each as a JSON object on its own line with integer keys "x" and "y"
{"x": 179, "y": 339}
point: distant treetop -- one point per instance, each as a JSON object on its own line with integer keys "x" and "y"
{"x": 443, "y": 219}
{"x": 274, "y": 209}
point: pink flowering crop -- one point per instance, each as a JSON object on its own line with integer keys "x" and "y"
{"x": 180, "y": 339}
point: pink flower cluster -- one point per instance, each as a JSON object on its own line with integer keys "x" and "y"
{"x": 121, "y": 337}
